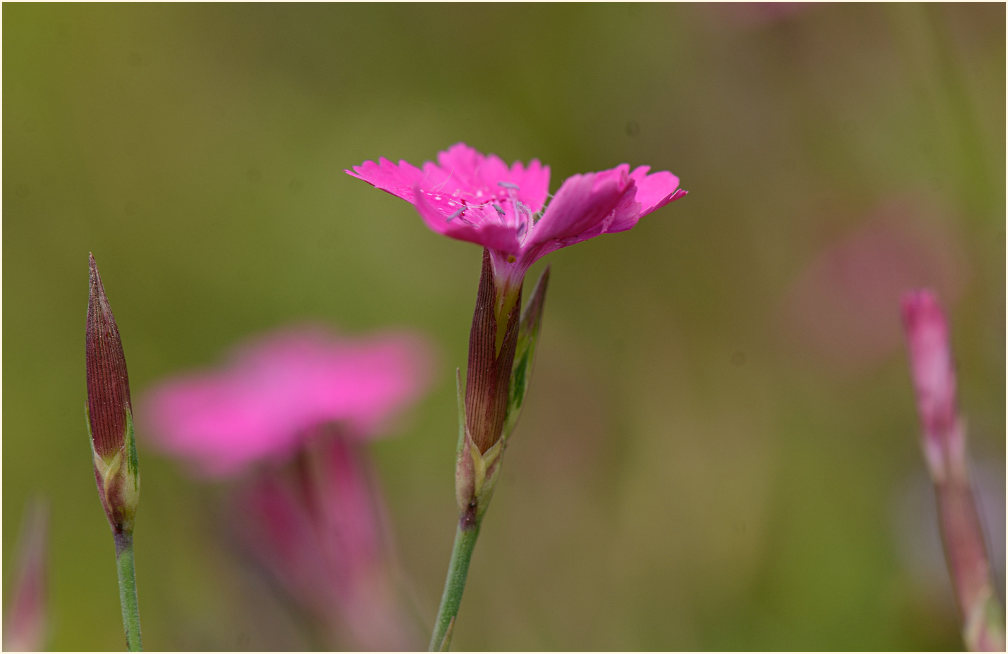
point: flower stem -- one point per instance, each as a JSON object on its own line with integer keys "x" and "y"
{"x": 969, "y": 565}
{"x": 458, "y": 568}
{"x": 127, "y": 590}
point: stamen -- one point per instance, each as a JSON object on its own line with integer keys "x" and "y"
{"x": 500, "y": 209}
{"x": 455, "y": 215}
{"x": 511, "y": 185}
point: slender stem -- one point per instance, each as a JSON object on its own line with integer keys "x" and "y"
{"x": 458, "y": 568}
{"x": 127, "y": 590}
{"x": 969, "y": 565}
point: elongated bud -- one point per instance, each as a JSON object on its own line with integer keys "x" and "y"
{"x": 477, "y": 468}
{"x": 109, "y": 411}
{"x": 934, "y": 383}
{"x": 492, "y": 341}
{"x": 26, "y": 624}
{"x": 944, "y": 444}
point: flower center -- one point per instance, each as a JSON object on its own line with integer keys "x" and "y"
{"x": 501, "y": 205}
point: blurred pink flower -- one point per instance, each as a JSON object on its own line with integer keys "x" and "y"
{"x": 474, "y": 197}
{"x": 318, "y": 528}
{"x": 840, "y": 305}
{"x": 25, "y": 628}
{"x": 277, "y": 389}
{"x": 305, "y": 400}
{"x": 756, "y": 14}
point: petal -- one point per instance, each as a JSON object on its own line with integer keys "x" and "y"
{"x": 472, "y": 171}
{"x": 483, "y": 228}
{"x": 208, "y": 421}
{"x": 461, "y": 172}
{"x": 584, "y": 207}
{"x": 469, "y": 169}
{"x": 654, "y": 191}
{"x": 398, "y": 179}
{"x": 532, "y": 183}
{"x": 275, "y": 390}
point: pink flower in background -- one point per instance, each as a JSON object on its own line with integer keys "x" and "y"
{"x": 318, "y": 528}
{"x": 756, "y": 14}
{"x": 478, "y": 198}
{"x": 26, "y": 625}
{"x": 839, "y": 306}
{"x": 274, "y": 391}
{"x": 305, "y": 401}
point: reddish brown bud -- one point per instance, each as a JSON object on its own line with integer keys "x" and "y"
{"x": 492, "y": 341}
{"x": 109, "y": 411}
{"x": 108, "y": 393}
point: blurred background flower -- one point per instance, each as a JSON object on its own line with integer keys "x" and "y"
{"x": 320, "y": 531}
{"x": 26, "y": 623}
{"x": 840, "y": 307}
{"x": 278, "y": 390}
{"x": 724, "y": 483}
{"x": 289, "y": 415}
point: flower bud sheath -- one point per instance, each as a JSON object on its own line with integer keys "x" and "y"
{"x": 110, "y": 411}
{"x": 492, "y": 341}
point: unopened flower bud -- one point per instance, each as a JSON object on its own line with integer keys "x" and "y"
{"x": 500, "y": 364}
{"x": 492, "y": 342}
{"x": 934, "y": 383}
{"x": 109, "y": 411}
{"x": 945, "y": 450}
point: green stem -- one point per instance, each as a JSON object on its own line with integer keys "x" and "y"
{"x": 458, "y": 568}
{"x": 127, "y": 590}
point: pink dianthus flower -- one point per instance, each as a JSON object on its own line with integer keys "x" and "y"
{"x": 474, "y": 197}
{"x": 276, "y": 390}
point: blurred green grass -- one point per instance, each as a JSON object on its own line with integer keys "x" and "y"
{"x": 689, "y": 472}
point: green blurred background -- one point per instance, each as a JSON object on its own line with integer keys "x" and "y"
{"x": 719, "y": 450}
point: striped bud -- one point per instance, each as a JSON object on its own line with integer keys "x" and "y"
{"x": 492, "y": 342}
{"x": 109, "y": 411}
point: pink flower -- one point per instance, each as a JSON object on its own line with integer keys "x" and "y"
{"x": 839, "y": 306}
{"x": 318, "y": 528}
{"x": 27, "y": 621}
{"x": 304, "y": 400}
{"x": 277, "y": 389}
{"x": 477, "y": 198}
